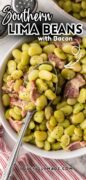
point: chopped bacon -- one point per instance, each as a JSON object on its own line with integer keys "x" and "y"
{"x": 23, "y": 113}
{"x": 10, "y": 83}
{"x": 16, "y": 125}
{"x": 58, "y": 44}
{"x": 76, "y": 145}
{"x": 19, "y": 103}
{"x": 34, "y": 94}
{"x": 22, "y": 88}
{"x": 58, "y": 63}
{"x": 77, "y": 1}
{"x": 8, "y": 87}
{"x": 76, "y": 41}
{"x": 15, "y": 102}
{"x": 72, "y": 87}
{"x": 14, "y": 94}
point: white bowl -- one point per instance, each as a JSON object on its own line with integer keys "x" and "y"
{"x": 61, "y": 154}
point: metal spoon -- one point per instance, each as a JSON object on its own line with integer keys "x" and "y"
{"x": 8, "y": 171}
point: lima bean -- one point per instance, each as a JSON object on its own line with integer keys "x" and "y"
{"x": 57, "y": 132}
{"x": 33, "y": 75}
{"x": 47, "y": 146}
{"x": 77, "y": 108}
{"x": 67, "y": 110}
{"x": 34, "y": 60}
{"x": 82, "y": 96}
{"x": 56, "y": 146}
{"x": 50, "y": 95}
{"x": 83, "y": 125}
{"x": 69, "y": 130}
{"x": 17, "y": 74}
{"x": 6, "y": 100}
{"x": 59, "y": 115}
{"x": 41, "y": 102}
{"x": 17, "y": 54}
{"x": 49, "y": 49}
{"x": 40, "y": 135}
{"x": 46, "y": 67}
{"x": 39, "y": 116}
{"x": 39, "y": 144}
{"x": 59, "y": 53}
{"x": 11, "y": 66}
{"x": 77, "y": 118}
{"x": 35, "y": 49}
{"x": 45, "y": 75}
{"x": 48, "y": 112}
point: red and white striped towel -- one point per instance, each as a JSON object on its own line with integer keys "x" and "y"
{"x": 32, "y": 167}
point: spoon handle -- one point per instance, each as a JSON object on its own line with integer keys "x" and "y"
{"x": 7, "y": 174}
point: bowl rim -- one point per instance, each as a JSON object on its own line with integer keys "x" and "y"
{"x": 60, "y": 154}
{"x": 67, "y": 15}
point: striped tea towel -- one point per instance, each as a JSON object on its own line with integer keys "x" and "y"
{"x": 32, "y": 167}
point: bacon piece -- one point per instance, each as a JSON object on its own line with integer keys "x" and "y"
{"x": 76, "y": 145}
{"x": 16, "y": 125}
{"x": 14, "y": 94}
{"x": 23, "y": 113}
{"x": 8, "y": 87}
{"x": 76, "y": 41}
{"x": 22, "y": 88}
{"x": 10, "y": 83}
{"x": 19, "y": 103}
{"x": 77, "y": 1}
{"x": 34, "y": 94}
{"x": 16, "y": 102}
{"x": 58, "y": 44}
{"x": 72, "y": 87}
{"x": 58, "y": 63}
